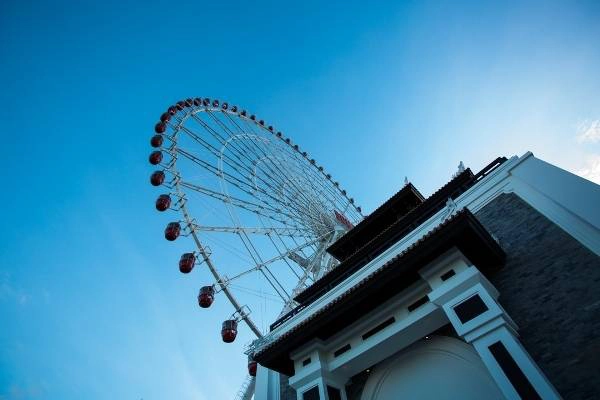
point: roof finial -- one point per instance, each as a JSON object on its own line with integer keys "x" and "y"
{"x": 461, "y": 167}
{"x": 405, "y": 180}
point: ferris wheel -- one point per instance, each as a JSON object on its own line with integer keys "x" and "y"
{"x": 260, "y": 211}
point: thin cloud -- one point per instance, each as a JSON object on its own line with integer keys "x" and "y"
{"x": 591, "y": 170}
{"x": 589, "y": 132}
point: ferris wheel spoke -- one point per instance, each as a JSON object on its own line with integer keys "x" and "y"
{"x": 234, "y": 163}
{"x": 287, "y": 296}
{"x": 282, "y": 170}
{"x": 264, "y": 210}
{"x": 273, "y": 173}
{"x": 212, "y": 149}
{"x": 318, "y": 184}
{"x": 292, "y": 254}
{"x": 298, "y": 195}
{"x": 285, "y": 170}
{"x": 284, "y": 255}
{"x": 224, "y": 175}
{"x": 237, "y": 182}
{"x": 325, "y": 189}
{"x": 224, "y": 141}
{"x": 287, "y": 198}
{"x": 265, "y": 271}
{"x": 257, "y": 293}
{"x": 227, "y": 281}
{"x": 255, "y": 231}
{"x": 271, "y": 280}
{"x": 216, "y": 152}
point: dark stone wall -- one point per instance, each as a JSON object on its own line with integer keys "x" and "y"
{"x": 550, "y": 287}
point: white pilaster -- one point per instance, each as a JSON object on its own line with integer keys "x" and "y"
{"x": 491, "y": 325}
{"x": 313, "y": 370}
{"x": 267, "y": 384}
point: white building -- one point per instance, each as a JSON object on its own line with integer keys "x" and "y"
{"x": 487, "y": 289}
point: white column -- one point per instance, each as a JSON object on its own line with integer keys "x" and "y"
{"x": 312, "y": 370}
{"x": 470, "y": 302}
{"x": 267, "y": 384}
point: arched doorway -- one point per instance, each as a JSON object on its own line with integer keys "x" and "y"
{"x": 440, "y": 368}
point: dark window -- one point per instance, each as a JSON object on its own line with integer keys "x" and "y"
{"x": 378, "y": 328}
{"x": 341, "y": 350}
{"x": 333, "y": 393}
{"x": 512, "y": 371}
{"x": 470, "y": 308}
{"x": 418, "y": 304}
{"x": 447, "y": 275}
{"x": 306, "y": 362}
{"x": 311, "y": 394}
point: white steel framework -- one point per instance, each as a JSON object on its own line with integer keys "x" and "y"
{"x": 267, "y": 210}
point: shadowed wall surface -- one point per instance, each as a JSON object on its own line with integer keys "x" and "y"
{"x": 549, "y": 286}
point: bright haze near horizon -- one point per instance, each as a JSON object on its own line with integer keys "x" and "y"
{"x": 91, "y": 302}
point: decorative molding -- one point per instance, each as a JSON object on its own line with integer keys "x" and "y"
{"x": 450, "y": 210}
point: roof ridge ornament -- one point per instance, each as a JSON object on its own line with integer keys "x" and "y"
{"x": 461, "y": 169}
{"x": 405, "y": 180}
{"x": 450, "y": 209}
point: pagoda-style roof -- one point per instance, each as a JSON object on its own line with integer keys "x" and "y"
{"x": 392, "y": 210}
{"x": 379, "y": 240}
{"x": 462, "y": 231}
{"x": 376, "y": 235}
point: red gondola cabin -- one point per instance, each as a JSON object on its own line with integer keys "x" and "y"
{"x": 187, "y": 262}
{"x": 229, "y": 330}
{"x": 155, "y": 157}
{"x": 157, "y": 178}
{"x": 172, "y": 231}
{"x": 251, "y": 366}
{"x": 156, "y": 141}
{"x": 163, "y": 202}
{"x": 206, "y": 297}
{"x": 161, "y": 127}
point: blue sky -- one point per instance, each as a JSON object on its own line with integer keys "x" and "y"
{"x": 91, "y": 303}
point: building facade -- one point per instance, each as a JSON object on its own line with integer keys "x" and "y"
{"x": 486, "y": 289}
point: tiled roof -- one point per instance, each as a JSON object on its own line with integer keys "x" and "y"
{"x": 466, "y": 177}
{"x": 409, "y": 193}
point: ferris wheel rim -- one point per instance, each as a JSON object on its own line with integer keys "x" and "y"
{"x": 189, "y": 112}
{"x": 279, "y": 136}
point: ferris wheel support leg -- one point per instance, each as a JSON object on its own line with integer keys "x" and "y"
{"x": 247, "y": 390}
{"x": 212, "y": 269}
